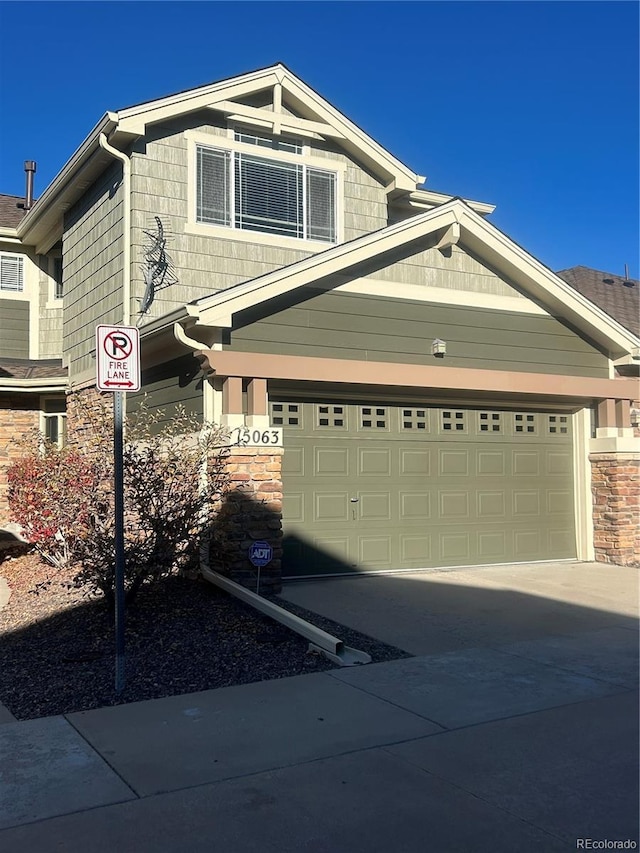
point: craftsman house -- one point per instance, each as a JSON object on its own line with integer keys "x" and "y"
{"x": 410, "y": 387}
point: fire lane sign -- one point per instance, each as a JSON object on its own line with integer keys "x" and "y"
{"x": 118, "y": 358}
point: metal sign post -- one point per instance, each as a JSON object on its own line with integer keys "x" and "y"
{"x": 118, "y": 359}
{"x": 118, "y": 476}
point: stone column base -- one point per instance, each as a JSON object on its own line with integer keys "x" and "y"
{"x": 251, "y": 512}
{"x": 616, "y": 507}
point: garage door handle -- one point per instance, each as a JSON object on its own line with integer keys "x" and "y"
{"x": 354, "y": 500}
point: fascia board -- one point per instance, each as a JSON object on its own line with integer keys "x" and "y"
{"x": 159, "y": 324}
{"x": 542, "y": 284}
{"x": 34, "y": 386}
{"x": 432, "y": 198}
{"x": 193, "y": 99}
{"x": 218, "y": 309}
{"x": 106, "y": 124}
{"x": 137, "y": 122}
{"x": 400, "y": 176}
{"x": 9, "y": 235}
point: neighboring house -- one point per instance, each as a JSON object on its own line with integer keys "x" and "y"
{"x": 416, "y": 390}
{"x": 619, "y": 296}
{"x": 32, "y": 378}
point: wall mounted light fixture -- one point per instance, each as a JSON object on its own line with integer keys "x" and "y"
{"x": 439, "y": 348}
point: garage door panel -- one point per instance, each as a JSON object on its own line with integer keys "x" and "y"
{"x": 374, "y": 506}
{"x": 374, "y": 462}
{"x": 454, "y": 463}
{"x": 492, "y": 545}
{"x": 293, "y": 506}
{"x": 293, "y": 462}
{"x": 415, "y": 506}
{"x": 491, "y": 505}
{"x": 455, "y": 546}
{"x": 526, "y": 503}
{"x": 415, "y": 551}
{"x": 491, "y": 463}
{"x": 454, "y": 505}
{"x": 559, "y": 502}
{"x": 331, "y": 506}
{"x": 561, "y": 543}
{"x": 558, "y": 463}
{"x": 415, "y": 462}
{"x": 527, "y": 543}
{"x": 375, "y": 550}
{"x": 331, "y": 461}
{"x": 526, "y": 463}
{"x": 431, "y": 490}
{"x": 332, "y": 553}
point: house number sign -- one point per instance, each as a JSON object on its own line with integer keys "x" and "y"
{"x": 254, "y": 437}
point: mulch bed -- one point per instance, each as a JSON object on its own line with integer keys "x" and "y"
{"x": 57, "y": 647}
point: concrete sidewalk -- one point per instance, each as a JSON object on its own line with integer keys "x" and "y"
{"x": 526, "y": 742}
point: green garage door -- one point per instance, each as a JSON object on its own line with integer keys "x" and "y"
{"x": 377, "y": 487}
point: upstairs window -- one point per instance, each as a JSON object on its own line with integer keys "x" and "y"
{"x": 56, "y": 272}
{"x": 253, "y": 192}
{"x": 12, "y": 273}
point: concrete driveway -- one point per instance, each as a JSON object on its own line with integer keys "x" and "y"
{"x": 513, "y": 728}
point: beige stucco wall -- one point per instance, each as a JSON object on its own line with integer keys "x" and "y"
{"x": 50, "y": 311}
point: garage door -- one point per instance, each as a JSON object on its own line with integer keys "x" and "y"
{"x": 376, "y": 486}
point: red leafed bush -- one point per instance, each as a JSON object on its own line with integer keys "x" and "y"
{"x": 174, "y": 480}
{"x": 48, "y": 491}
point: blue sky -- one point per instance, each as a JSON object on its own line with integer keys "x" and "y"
{"x": 530, "y": 106}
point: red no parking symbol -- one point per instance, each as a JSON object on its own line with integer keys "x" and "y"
{"x": 118, "y": 345}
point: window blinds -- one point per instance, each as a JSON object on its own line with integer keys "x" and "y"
{"x": 266, "y": 195}
{"x": 11, "y": 273}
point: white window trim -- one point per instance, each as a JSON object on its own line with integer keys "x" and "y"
{"x": 25, "y": 293}
{"x": 61, "y": 416}
{"x": 53, "y": 302}
{"x": 192, "y": 226}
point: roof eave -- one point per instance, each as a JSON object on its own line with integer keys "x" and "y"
{"x": 477, "y": 234}
{"x": 50, "y": 207}
{"x": 34, "y": 386}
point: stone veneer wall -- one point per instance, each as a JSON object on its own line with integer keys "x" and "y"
{"x": 83, "y": 405}
{"x": 616, "y": 507}
{"x": 19, "y": 415}
{"x": 251, "y": 512}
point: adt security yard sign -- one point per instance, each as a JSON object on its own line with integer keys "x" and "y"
{"x": 260, "y": 553}
{"x": 118, "y": 358}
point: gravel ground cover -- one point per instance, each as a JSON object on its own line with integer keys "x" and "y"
{"x": 57, "y": 647}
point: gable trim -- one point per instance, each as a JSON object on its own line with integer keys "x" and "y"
{"x": 476, "y": 234}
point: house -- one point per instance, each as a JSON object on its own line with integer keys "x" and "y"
{"x": 408, "y": 386}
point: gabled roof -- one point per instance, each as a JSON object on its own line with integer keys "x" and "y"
{"x": 293, "y": 107}
{"x": 618, "y": 296}
{"x": 289, "y": 105}
{"x": 450, "y": 223}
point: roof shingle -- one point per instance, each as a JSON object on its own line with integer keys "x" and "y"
{"x": 11, "y": 214}
{"x": 618, "y": 296}
{"x": 23, "y": 368}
